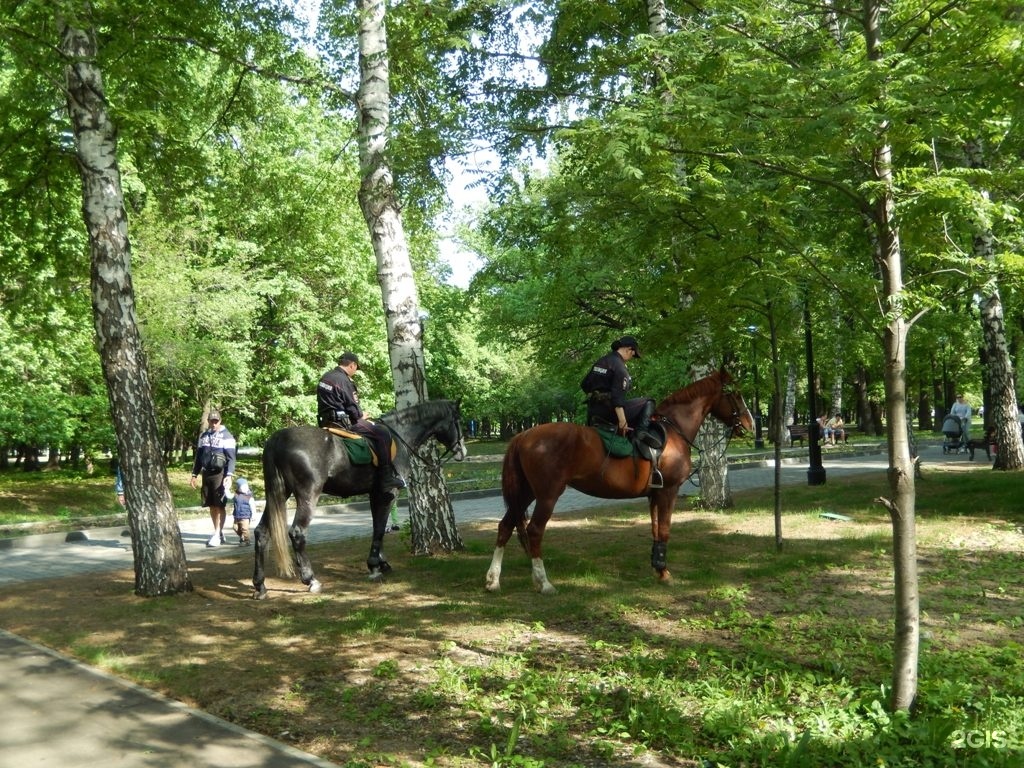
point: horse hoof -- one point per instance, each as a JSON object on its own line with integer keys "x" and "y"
{"x": 376, "y": 575}
{"x": 492, "y": 586}
{"x": 315, "y": 587}
{"x": 259, "y": 594}
{"x": 664, "y": 577}
{"x": 547, "y": 589}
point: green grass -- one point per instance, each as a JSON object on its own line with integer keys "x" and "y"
{"x": 751, "y": 658}
{"x": 61, "y": 498}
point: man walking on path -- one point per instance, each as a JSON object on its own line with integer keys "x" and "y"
{"x": 215, "y": 461}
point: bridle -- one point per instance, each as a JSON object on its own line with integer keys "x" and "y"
{"x": 722, "y": 443}
{"x": 425, "y": 458}
{"x": 737, "y": 428}
{"x": 736, "y": 425}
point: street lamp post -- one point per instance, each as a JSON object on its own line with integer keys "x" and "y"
{"x": 815, "y": 470}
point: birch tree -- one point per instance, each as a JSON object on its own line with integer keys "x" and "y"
{"x": 159, "y": 554}
{"x": 432, "y": 520}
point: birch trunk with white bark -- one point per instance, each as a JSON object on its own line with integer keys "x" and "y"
{"x": 1002, "y": 392}
{"x": 159, "y": 555}
{"x": 431, "y": 517}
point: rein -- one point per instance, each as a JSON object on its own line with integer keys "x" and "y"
{"x": 443, "y": 459}
{"x": 725, "y": 438}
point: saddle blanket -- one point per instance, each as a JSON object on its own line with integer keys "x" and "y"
{"x": 358, "y": 447}
{"x": 618, "y": 447}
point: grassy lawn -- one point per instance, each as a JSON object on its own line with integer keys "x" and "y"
{"x": 750, "y": 657}
{"x": 67, "y": 497}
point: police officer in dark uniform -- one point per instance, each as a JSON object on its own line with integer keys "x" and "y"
{"x": 337, "y": 405}
{"x": 606, "y": 385}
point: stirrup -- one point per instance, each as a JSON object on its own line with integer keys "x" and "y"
{"x": 657, "y": 479}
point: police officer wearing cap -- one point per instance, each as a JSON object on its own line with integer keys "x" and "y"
{"x": 606, "y": 386}
{"x": 337, "y": 405}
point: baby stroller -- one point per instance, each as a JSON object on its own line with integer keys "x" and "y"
{"x": 956, "y": 436}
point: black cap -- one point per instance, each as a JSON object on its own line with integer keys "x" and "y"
{"x": 348, "y": 357}
{"x": 629, "y": 343}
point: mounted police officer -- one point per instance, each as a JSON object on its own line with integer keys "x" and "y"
{"x": 337, "y": 405}
{"x": 606, "y": 385}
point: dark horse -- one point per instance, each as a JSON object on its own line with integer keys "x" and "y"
{"x": 308, "y": 461}
{"x": 542, "y": 462}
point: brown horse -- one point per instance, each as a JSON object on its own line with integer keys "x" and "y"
{"x": 542, "y": 462}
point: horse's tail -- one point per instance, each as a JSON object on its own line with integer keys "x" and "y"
{"x": 515, "y": 490}
{"x": 275, "y": 513}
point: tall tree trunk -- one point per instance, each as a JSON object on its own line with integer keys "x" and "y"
{"x": 713, "y": 469}
{"x": 777, "y": 425}
{"x": 867, "y": 420}
{"x": 1002, "y": 410}
{"x": 901, "y": 505}
{"x": 837, "y": 390}
{"x": 657, "y": 18}
{"x": 431, "y": 517}
{"x": 788, "y": 405}
{"x": 159, "y": 555}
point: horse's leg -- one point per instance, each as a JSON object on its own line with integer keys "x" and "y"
{"x": 535, "y": 535}
{"x": 516, "y": 502}
{"x": 380, "y": 508}
{"x": 260, "y": 538}
{"x": 492, "y": 582}
{"x": 297, "y": 534}
{"x": 662, "y": 505}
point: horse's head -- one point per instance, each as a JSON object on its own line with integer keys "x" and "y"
{"x": 731, "y": 409}
{"x": 438, "y": 419}
{"x": 449, "y": 433}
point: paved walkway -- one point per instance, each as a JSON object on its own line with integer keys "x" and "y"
{"x": 60, "y": 713}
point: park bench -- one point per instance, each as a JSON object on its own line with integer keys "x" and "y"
{"x": 798, "y": 432}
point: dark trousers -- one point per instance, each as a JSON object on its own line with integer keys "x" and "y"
{"x": 379, "y": 437}
{"x": 600, "y": 412}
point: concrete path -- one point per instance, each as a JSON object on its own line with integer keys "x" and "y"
{"x": 60, "y": 713}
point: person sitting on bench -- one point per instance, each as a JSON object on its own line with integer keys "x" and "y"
{"x": 834, "y": 429}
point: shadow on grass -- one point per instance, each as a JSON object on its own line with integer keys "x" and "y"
{"x": 749, "y": 655}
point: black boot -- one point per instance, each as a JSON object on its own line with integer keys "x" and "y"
{"x": 390, "y": 479}
{"x": 645, "y": 415}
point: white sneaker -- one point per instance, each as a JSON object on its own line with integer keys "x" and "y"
{"x": 214, "y": 540}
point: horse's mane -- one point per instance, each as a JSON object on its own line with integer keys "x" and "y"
{"x": 426, "y": 411}
{"x": 699, "y": 388}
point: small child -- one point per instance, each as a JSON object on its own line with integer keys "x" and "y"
{"x": 245, "y": 505}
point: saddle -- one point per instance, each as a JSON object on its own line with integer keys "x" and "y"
{"x": 647, "y": 443}
{"x": 359, "y": 449}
